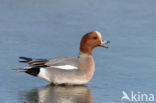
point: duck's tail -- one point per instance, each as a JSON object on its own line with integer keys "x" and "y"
{"x": 30, "y": 70}
{"x": 25, "y": 59}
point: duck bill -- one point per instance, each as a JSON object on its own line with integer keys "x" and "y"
{"x": 103, "y": 43}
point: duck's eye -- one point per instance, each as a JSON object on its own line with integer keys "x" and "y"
{"x": 94, "y": 37}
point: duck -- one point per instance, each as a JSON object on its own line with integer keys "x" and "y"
{"x": 67, "y": 70}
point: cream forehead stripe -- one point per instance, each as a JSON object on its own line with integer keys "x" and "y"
{"x": 99, "y": 34}
{"x": 66, "y": 67}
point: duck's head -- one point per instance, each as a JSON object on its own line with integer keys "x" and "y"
{"x": 90, "y": 41}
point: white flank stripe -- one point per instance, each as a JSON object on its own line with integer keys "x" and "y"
{"x": 66, "y": 67}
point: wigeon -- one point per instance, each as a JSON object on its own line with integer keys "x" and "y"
{"x": 67, "y": 70}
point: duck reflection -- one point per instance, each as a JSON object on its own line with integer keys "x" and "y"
{"x": 60, "y": 94}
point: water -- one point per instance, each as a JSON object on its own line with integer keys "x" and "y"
{"x": 53, "y": 28}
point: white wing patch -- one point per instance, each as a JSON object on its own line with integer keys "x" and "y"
{"x": 66, "y": 67}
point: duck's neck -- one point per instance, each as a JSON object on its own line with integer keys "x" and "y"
{"x": 85, "y": 58}
{"x": 85, "y": 49}
{"x": 84, "y": 55}
{"x": 86, "y": 65}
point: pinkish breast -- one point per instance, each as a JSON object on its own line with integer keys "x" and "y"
{"x": 87, "y": 66}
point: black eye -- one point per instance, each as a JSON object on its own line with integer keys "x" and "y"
{"x": 94, "y": 37}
